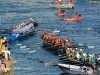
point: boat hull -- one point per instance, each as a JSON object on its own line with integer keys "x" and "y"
{"x": 61, "y": 6}
{"x": 73, "y": 19}
{"x": 61, "y": 14}
{"x": 19, "y": 36}
{"x": 72, "y": 69}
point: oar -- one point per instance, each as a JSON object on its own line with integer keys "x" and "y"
{"x": 90, "y": 47}
{"x": 47, "y": 48}
{"x": 32, "y": 51}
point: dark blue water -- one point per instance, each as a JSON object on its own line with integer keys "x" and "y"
{"x": 14, "y": 12}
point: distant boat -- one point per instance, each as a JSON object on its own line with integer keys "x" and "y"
{"x": 70, "y": 4}
{"x": 27, "y": 26}
{"x": 61, "y": 6}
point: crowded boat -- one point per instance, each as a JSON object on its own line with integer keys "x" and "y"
{"x": 68, "y": 52}
{"x": 24, "y": 29}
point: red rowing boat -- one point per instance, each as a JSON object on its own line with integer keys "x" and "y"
{"x": 74, "y": 19}
{"x": 61, "y": 14}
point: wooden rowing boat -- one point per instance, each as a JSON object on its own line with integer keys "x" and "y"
{"x": 16, "y": 36}
{"x": 73, "y": 69}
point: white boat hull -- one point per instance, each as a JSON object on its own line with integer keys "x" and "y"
{"x": 72, "y": 69}
{"x": 61, "y": 6}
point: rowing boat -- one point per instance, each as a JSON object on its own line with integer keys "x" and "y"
{"x": 16, "y": 36}
{"x": 74, "y": 19}
{"x": 48, "y": 46}
{"x": 61, "y": 14}
{"x": 61, "y": 6}
{"x": 73, "y": 69}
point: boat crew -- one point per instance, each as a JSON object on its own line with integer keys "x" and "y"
{"x": 82, "y": 58}
{"x": 70, "y": 2}
{"x": 15, "y": 30}
{"x": 76, "y": 16}
{"x": 62, "y": 11}
{"x": 77, "y": 56}
{"x": 20, "y": 30}
{"x": 31, "y": 20}
{"x": 60, "y": 1}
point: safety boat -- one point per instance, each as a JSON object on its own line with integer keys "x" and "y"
{"x": 26, "y": 28}
{"x": 70, "y": 6}
{"x": 74, "y": 19}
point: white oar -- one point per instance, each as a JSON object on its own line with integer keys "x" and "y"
{"x": 18, "y": 44}
{"x": 32, "y": 51}
{"x": 22, "y": 47}
{"x": 81, "y": 44}
{"x": 56, "y": 31}
{"x": 90, "y": 29}
{"x": 25, "y": 49}
{"x": 90, "y": 47}
{"x": 48, "y": 63}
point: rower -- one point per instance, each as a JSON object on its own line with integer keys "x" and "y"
{"x": 31, "y": 20}
{"x": 62, "y": 11}
{"x": 76, "y": 16}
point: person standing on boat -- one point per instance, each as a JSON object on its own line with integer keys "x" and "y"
{"x": 70, "y": 2}
{"x": 60, "y": 1}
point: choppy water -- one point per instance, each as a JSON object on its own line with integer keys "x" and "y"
{"x": 14, "y": 12}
